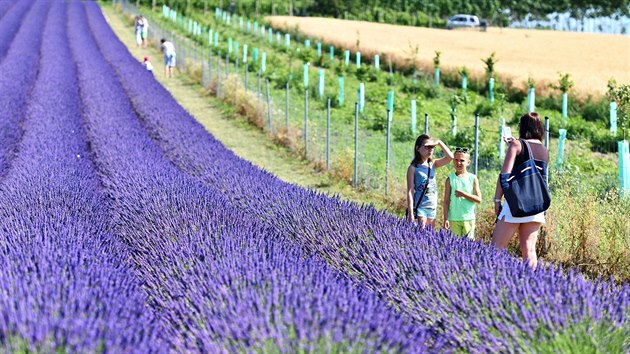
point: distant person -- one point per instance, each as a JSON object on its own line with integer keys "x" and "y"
{"x": 461, "y": 195}
{"x": 144, "y": 34}
{"x": 168, "y": 49}
{"x": 421, "y": 185}
{"x": 530, "y": 140}
{"x": 138, "y": 30}
{"x": 147, "y": 65}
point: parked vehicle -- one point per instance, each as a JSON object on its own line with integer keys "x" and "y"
{"x": 459, "y": 21}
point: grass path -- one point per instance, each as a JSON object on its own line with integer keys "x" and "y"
{"x": 233, "y": 131}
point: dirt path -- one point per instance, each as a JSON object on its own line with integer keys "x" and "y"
{"x": 235, "y": 133}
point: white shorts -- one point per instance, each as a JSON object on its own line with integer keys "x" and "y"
{"x": 506, "y": 215}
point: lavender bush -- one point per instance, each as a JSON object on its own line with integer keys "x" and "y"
{"x": 220, "y": 280}
{"x": 64, "y": 283}
{"x": 125, "y": 227}
{"x": 487, "y": 299}
{"x": 19, "y": 69}
{"x": 11, "y": 15}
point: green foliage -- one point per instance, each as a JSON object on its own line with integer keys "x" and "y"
{"x": 368, "y": 73}
{"x": 487, "y": 109}
{"x": 621, "y": 95}
{"x": 530, "y": 82}
{"x": 585, "y": 337}
{"x": 463, "y": 138}
{"x": 436, "y": 59}
{"x": 564, "y": 83}
{"x": 490, "y": 62}
{"x": 307, "y": 55}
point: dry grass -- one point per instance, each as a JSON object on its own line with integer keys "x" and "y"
{"x": 591, "y": 59}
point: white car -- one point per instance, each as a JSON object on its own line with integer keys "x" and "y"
{"x": 459, "y": 21}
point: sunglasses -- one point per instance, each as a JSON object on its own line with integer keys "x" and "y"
{"x": 461, "y": 149}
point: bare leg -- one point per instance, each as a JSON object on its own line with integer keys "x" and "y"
{"x": 422, "y": 221}
{"x": 502, "y": 234}
{"x": 527, "y": 237}
{"x": 431, "y": 222}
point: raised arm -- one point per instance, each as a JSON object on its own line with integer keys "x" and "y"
{"x": 448, "y": 155}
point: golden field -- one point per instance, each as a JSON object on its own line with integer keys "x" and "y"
{"x": 591, "y": 59}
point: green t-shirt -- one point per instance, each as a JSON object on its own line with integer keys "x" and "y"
{"x": 460, "y": 208}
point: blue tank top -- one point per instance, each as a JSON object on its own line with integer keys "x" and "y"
{"x": 429, "y": 201}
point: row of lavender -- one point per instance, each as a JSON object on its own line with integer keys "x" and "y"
{"x": 106, "y": 246}
{"x": 218, "y": 277}
{"x": 487, "y": 300}
{"x": 63, "y": 274}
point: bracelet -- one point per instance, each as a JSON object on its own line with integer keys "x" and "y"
{"x": 497, "y": 200}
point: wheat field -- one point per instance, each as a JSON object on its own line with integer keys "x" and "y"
{"x": 591, "y": 59}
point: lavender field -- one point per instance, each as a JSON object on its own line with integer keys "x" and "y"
{"x": 126, "y": 227}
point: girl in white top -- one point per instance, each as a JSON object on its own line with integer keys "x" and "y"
{"x": 530, "y": 129}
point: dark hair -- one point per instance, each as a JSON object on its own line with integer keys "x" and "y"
{"x": 419, "y": 143}
{"x": 531, "y": 127}
{"x": 162, "y": 40}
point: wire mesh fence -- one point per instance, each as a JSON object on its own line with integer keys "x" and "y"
{"x": 359, "y": 156}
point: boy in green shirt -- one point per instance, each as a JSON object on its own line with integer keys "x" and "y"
{"x": 461, "y": 194}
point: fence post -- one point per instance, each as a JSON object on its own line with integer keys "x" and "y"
{"x": 426, "y": 123}
{"x": 464, "y": 82}
{"x": 287, "y": 106}
{"x": 203, "y": 69}
{"x": 390, "y": 110}
{"x": 491, "y": 90}
{"x": 210, "y": 64}
{"x": 531, "y": 100}
{"x": 387, "y": 152}
{"x": 328, "y": 134}
{"x": 501, "y": 143}
{"x": 454, "y": 121}
{"x": 547, "y": 147}
{"x": 320, "y": 83}
{"x": 219, "y": 75}
{"x": 560, "y": 159}
{"x": 476, "y": 143}
{"x": 565, "y": 105}
{"x": 340, "y": 95}
{"x": 355, "y": 176}
{"x": 246, "y": 76}
{"x": 305, "y": 78}
{"x": 269, "y": 106}
{"x": 613, "y": 118}
{"x": 259, "y": 89}
{"x": 306, "y": 122}
{"x": 624, "y": 168}
{"x": 361, "y": 96}
{"x": 437, "y": 77}
{"x": 227, "y": 65}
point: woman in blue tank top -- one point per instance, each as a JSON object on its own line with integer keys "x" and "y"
{"x": 421, "y": 184}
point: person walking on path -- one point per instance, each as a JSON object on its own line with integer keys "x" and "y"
{"x": 421, "y": 183}
{"x": 138, "y": 30}
{"x": 168, "y": 49}
{"x": 530, "y": 141}
{"x": 145, "y": 31}
{"x": 461, "y": 195}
